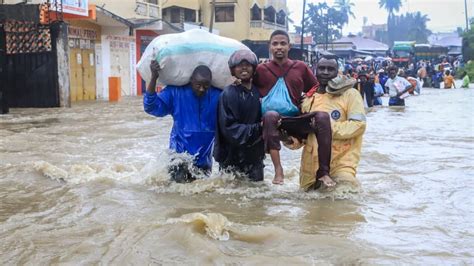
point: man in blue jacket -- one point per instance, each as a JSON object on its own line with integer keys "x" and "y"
{"x": 194, "y": 111}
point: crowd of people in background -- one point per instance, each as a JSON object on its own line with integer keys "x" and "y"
{"x": 280, "y": 102}
{"x": 373, "y": 74}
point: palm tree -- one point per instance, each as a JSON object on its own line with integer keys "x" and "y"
{"x": 419, "y": 32}
{"x": 390, "y": 5}
{"x": 345, "y": 6}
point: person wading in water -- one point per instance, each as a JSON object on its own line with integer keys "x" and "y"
{"x": 281, "y": 82}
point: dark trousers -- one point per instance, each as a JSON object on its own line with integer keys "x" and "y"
{"x": 254, "y": 172}
{"x": 395, "y": 101}
{"x": 3, "y": 102}
{"x": 185, "y": 172}
{"x": 299, "y": 127}
{"x": 369, "y": 95}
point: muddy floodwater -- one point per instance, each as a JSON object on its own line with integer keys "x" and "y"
{"x": 88, "y": 185}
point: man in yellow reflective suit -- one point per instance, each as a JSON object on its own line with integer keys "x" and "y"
{"x": 336, "y": 96}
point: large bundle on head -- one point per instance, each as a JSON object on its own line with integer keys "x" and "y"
{"x": 179, "y": 54}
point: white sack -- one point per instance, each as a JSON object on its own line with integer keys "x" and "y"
{"x": 180, "y": 53}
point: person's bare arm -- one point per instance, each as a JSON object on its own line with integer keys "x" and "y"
{"x": 155, "y": 68}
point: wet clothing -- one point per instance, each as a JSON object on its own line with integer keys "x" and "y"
{"x": 395, "y": 101}
{"x": 344, "y": 106}
{"x": 299, "y": 78}
{"x": 253, "y": 172}
{"x": 448, "y": 82}
{"x": 194, "y": 119}
{"x": 239, "y": 144}
{"x": 396, "y": 85}
{"x": 185, "y": 172}
{"x": 382, "y": 80}
{"x": 300, "y": 127}
{"x": 367, "y": 92}
{"x": 378, "y": 94}
{"x": 466, "y": 81}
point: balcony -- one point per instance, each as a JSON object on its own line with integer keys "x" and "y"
{"x": 266, "y": 25}
{"x": 146, "y": 9}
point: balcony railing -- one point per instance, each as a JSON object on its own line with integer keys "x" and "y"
{"x": 266, "y": 25}
{"x": 147, "y": 9}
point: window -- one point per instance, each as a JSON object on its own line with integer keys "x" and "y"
{"x": 281, "y": 18}
{"x": 153, "y": 2}
{"x": 269, "y": 13}
{"x": 175, "y": 15}
{"x": 224, "y": 14}
{"x": 189, "y": 15}
{"x": 256, "y": 13}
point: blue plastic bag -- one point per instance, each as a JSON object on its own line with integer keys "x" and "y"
{"x": 279, "y": 100}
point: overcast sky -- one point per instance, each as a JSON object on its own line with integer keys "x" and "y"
{"x": 445, "y": 15}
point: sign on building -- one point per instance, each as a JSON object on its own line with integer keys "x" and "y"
{"x": 76, "y": 7}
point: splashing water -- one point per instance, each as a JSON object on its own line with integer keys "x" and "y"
{"x": 90, "y": 185}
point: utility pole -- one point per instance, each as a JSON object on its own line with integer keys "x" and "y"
{"x": 327, "y": 30}
{"x": 465, "y": 13}
{"x": 302, "y": 25}
{"x": 213, "y": 7}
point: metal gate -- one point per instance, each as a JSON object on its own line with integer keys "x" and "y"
{"x": 30, "y": 79}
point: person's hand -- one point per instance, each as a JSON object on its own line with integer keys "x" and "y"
{"x": 155, "y": 68}
{"x": 313, "y": 123}
{"x": 288, "y": 140}
{"x": 237, "y": 81}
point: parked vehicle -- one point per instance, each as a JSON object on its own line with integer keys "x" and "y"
{"x": 403, "y": 53}
{"x": 429, "y": 52}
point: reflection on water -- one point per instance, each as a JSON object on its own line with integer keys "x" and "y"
{"x": 89, "y": 185}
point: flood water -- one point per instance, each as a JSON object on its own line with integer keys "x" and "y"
{"x": 88, "y": 184}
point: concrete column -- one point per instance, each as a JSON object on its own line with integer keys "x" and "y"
{"x": 62, "y": 58}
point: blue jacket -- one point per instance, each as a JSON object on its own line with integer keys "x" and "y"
{"x": 194, "y": 119}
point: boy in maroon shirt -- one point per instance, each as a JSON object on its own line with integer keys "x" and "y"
{"x": 298, "y": 79}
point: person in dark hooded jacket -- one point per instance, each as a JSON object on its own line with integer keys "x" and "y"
{"x": 239, "y": 145}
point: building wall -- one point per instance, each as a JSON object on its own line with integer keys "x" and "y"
{"x": 240, "y": 29}
{"x": 230, "y": 29}
{"x": 123, "y": 8}
{"x": 83, "y": 67}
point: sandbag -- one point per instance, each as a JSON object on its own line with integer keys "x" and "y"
{"x": 180, "y": 53}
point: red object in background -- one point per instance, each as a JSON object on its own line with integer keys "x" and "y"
{"x": 142, "y": 39}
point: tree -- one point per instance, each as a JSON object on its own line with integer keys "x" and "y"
{"x": 345, "y": 7}
{"x": 390, "y": 5}
{"x": 409, "y": 27}
{"x": 417, "y": 29}
{"x": 468, "y": 44}
{"x": 324, "y": 22}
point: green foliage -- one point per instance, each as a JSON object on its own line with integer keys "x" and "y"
{"x": 468, "y": 44}
{"x": 390, "y": 5}
{"x": 345, "y": 6}
{"x": 322, "y": 20}
{"x": 408, "y": 27}
{"x": 469, "y": 68}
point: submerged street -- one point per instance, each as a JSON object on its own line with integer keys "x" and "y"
{"x": 89, "y": 184}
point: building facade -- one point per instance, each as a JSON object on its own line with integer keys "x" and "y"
{"x": 252, "y": 20}
{"x": 375, "y": 32}
{"x": 106, "y": 38}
